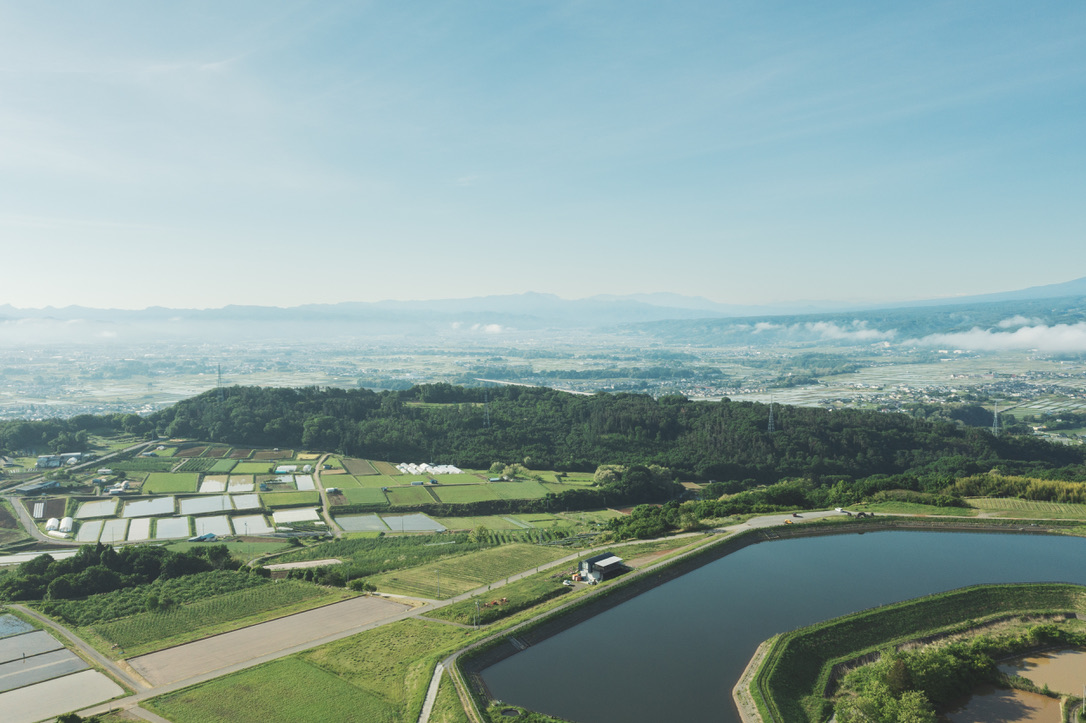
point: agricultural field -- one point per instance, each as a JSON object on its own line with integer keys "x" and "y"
{"x": 217, "y": 452}
{"x": 463, "y": 494}
{"x": 282, "y": 691}
{"x": 897, "y": 507}
{"x": 271, "y": 454}
{"x": 542, "y": 520}
{"x": 1028, "y": 509}
{"x": 252, "y": 468}
{"x": 521, "y": 595}
{"x": 10, "y": 529}
{"x": 359, "y": 496}
{"x": 164, "y": 483}
{"x": 530, "y": 490}
{"x": 379, "y": 675}
{"x": 222, "y": 466}
{"x": 410, "y": 496}
{"x": 240, "y": 453}
{"x": 339, "y": 480}
{"x": 191, "y": 451}
{"x": 466, "y": 572}
{"x": 491, "y": 522}
{"x": 144, "y": 464}
{"x": 196, "y": 464}
{"x": 146, "y": 632}
{"x": 290, "y": 499}
{"x": 385, "y": 468}
{"x": 359, "y": 467}
{"x": 444, "y": 479}
{"x": 376, "y": 481}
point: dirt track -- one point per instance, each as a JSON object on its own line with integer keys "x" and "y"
{"x": 221, "y": 651}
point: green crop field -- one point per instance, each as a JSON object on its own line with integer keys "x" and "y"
{"x": 252, "y": 468}
{"x": 386, "y": 468}
{"x": 164, "y": 483}
{"x": 222, "y": 466}
{"x": 148, "y": 631}
{"x": 358, "y": 466}
{"x": 491, "y": 522}
{"x": 521, "y": 595}
{"x": 1029, "y": 509}
{"x": 360, "y": 496}
{"x": 445, "y": 479}
{"x": 145, "y": 464}
{"x": 283, "y": 691}
{"x": 466, "y": 572}
{"x": 407, "y": 496}
{"x": 376, "y": 481}
{"x": 530, "y": 490}
{"x": 339, "y": 480}
{"x": 393, "y": 662}
{"x": 290, "y": 499}
{"x": 466, "y": 493}
{"x": 196, "y": 464}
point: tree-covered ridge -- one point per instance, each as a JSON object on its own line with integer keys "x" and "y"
{"x": 549, "y": 429}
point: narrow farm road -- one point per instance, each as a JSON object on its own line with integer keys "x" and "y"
{"x": 130, "y": 678}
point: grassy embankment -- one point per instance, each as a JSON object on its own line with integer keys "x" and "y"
{"x": 795, "y": 672}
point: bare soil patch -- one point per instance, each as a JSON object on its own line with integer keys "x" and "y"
{"x": 190, "y": 452}
{"x": 239, "y": 453}
{"x": 220, "y": 651}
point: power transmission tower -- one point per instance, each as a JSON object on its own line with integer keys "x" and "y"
{"x": 995, "y": 421}
{"x": 772, "y": 426}
{"x": 219, "y": 385}
{"x": 486, "y": 406}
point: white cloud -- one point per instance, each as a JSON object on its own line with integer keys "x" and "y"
{"x": 1058, "y": 338}
{"x": 857, "y": 331}
{"x": 1019, "y": 320}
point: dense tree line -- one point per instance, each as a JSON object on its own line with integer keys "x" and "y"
{"x": 66, "y": 435}
{"x": 100, "y": 568}
{"x": 555, "y": 430}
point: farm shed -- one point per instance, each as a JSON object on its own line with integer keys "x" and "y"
{"x": 602, "y": 566}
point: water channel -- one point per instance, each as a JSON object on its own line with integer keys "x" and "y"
{"x": 674, "y": 652}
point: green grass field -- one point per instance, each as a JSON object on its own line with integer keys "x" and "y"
{"x": 408, "y": 496}
{"x": 491, "y": 522}
{"x": 376, "y": 481}
{"x": 283, "y": 691}
{"x": 530, "y": 490}
{"x": 466, "y": 493}
{"x": 542, "y": 520}
{"x": 360, "y": 496}
{"x": 912, "y": 508}
{"x": 393, "y": 662}
{"x": 1029, "y": 509}
{"x": 146, "y": 632}
{"x": 252, "y": 468}
{"x": 466, "y": 572}
{"x": 343, "y": 481}
{"x": 222, "y": 466}
{"x": 164, "y": 483}
{"x": 521, "y": 595}
{"x": 290, "y": 499}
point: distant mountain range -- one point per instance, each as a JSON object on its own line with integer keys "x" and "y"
{"x": 667, "y": 315}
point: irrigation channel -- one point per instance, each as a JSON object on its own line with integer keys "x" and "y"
{"x": 675, "y": 651}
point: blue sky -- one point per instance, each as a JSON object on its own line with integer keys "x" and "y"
{"x": 201, "y": 154}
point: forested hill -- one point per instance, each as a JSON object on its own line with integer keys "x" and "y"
{"x": 547, "y": 429}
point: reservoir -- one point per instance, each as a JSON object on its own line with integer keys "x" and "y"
{"x": 675, "y": 652}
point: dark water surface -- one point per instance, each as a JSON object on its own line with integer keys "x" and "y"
{"x": 675, "y": 652}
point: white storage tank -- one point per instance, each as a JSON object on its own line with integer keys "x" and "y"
{"x": 66, "y": 524}
{"x": 52, "y": 524}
